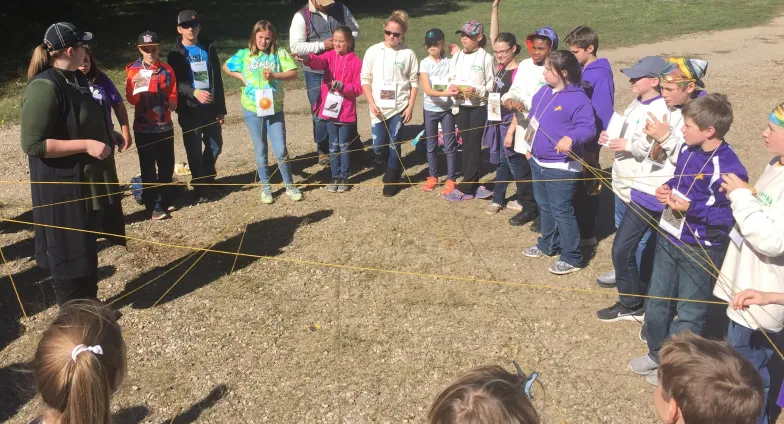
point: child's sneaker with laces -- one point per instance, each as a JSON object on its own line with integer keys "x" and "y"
{"x": 493, "y": 208}
{"x": 294, "y": 193}
{"x": 483, "y": 193}
{"x": 562, "y": 268}
{"x": 533, "y": 252}
{"x": 456, "y": 196}
{"x": 266, "y": 196}
{"x": 343, "y": 186}
{"x": 430, "y": 184}
{"x": 449, "y": 187}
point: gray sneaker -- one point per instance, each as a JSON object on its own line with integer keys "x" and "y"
{"x": 643, "y": 365}
{"x": 606, "y": 281}
{"x": 653, "y": 378}
{"x": 562, "y": 268}
{"x": 343, "y": 186}
{"x": 533, "y": 252}
{"x": 333, "y": 186}
{"x": 493, "y": 208}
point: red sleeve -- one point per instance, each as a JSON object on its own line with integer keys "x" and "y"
{"x": 173, "y": 86}
{"x": 129, "y": 74}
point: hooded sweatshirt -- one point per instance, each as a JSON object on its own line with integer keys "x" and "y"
{"x": 600, "y": 88}
{"x": 627, "y": 165}
{"x": 528, "y": 80}
{"x": 567, "y": 112}
{"x": 698, "y": 177}
{"x": 346, "y": 69}
{"x": 759, "y": 261}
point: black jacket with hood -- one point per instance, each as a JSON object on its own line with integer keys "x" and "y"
{"x": 187, "y": 103}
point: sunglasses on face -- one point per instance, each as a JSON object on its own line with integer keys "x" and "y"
{"x": 393, "y": 34}
{"x": 188, "y": 25}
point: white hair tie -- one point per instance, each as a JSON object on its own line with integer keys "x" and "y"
{"x": 84, "y": 348}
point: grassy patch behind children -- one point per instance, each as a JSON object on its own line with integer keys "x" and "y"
{"x": 226, "y": 23}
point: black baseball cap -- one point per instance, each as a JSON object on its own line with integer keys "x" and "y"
{"x": 433, "y": 36}
{"x": 187, "y": 16}
{"x": 148, "y": 38}
{"x": 62, "y": 35}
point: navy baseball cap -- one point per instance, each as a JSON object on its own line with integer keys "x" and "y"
{"x": 647, "y": 67}
{"x": 434, "y": 36}
{"x": 148, "y": 38}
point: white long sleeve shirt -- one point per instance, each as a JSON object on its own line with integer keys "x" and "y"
{"x": 527, "y": 81}
{"x": 383, "y": 65}
{"x": 651, "y": 177}
{"x": 478, "y": 68}
{"x": 759, "y": 262}
{"x": 298, "y": 39}
{"x": 627, "y": 165}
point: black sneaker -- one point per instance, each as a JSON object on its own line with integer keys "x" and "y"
{"x": 343, "y": 185}
{"x": 618, "y": 312}
{"x": 333, "y": 186}
{"x": 537, "y": 225}
{"x": 523, "y": 218}
{"x": 159, "y": 214}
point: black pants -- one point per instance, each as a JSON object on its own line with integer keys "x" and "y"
{"x": 85, "y": 287}
{"x": 586, "y": 208}
{"x": 471, "y": 122}
{"x": 203, "y": 140}
{"x": 156, "y": 160}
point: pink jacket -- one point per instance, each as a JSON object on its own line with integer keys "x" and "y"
{"x": 344, "y": 68}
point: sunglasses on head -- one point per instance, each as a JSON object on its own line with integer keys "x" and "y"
{"x": 187, "y": 25}
{"x": 393, "y": 34}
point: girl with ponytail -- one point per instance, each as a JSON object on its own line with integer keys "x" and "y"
{"x": 79, "y": 363}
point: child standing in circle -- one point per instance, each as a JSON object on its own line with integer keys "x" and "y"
{"x": 390, "y": 80}
{"x": 339, "y": 91}
{"x": 560, "y": 122}
{"x": 434, "y": 78}
{"x": 151, "y": 86}
{"x": 472, "y": 73}
{"x": 105, "y": 92}
{"x": 263, "y": 67}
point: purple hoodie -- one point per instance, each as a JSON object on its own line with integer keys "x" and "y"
{"x": 600, "y": 88}
{"x": 698, "y": 177}
{"x": 564, "y": 113}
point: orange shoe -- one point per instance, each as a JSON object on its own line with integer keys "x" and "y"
{"x": 430, "y": 184}
{"x": 448, "y": 187}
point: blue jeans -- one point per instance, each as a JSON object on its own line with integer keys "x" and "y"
{"x": 559, "y": 224}
{"x": 201, "y": 163}
{"x": 447, "y": 121}
{"x": 339, "y": 156}
{"x": 632, "y": 259}
{"x": 753, "y": 345}
{"x": 676, "y": 275}
{"x": 260, "y": 128}
{"x": 386, "y": 135}
{"x": 313, "y": 87}
{"x": 514, "y": 167}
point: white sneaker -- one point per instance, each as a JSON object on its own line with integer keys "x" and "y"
{"x": 514, "y": 205}
{"x": 493, "y": 208}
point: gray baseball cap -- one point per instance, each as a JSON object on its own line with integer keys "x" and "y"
{"x": 649, "y": 66}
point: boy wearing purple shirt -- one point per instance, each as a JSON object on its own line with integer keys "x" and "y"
{"x": 598, "y": 83}
{"x": 697, "y": 220}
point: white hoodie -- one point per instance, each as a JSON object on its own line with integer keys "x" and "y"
{"x": 759, "y": 262}
{"x": 627, "y": 165}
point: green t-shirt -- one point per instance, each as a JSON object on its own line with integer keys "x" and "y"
{"x": 252, "y": 66}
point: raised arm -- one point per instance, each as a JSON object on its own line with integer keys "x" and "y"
{"x": 494, "y": 30}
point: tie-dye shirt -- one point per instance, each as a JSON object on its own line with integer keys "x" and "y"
{"x": 252, "y": 66}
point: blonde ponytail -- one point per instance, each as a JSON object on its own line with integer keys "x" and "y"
{"x": 399, "y": 17}
{"x": 38, "y": 62}
{"x": 77, "y": 388}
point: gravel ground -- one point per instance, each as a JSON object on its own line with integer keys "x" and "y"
{"x": 278, "y": 340}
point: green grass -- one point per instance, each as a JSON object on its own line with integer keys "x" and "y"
{"x": 618, "y": 22}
